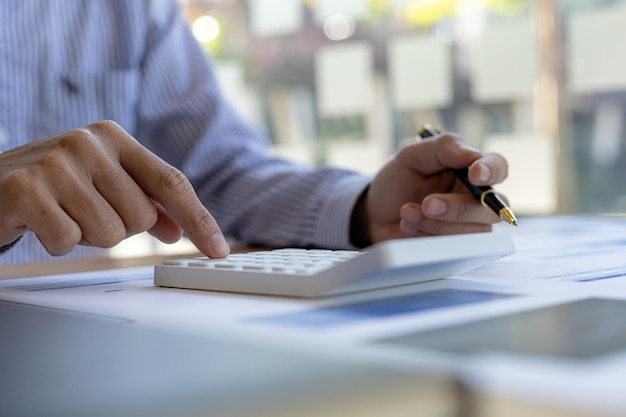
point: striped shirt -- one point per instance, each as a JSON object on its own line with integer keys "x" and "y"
{"x": 68, "y": 63}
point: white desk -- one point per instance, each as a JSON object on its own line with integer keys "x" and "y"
{"x": 58, "y": 361}
{"x": 591, "y": 251}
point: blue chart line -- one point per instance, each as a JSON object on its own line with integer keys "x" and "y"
{"x": 608, "y": 276}
{"x": 63, "y": 285}
{"x": 347, "y": 313}
{"x": 590, "y": 275}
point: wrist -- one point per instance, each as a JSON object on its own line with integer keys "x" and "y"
{"x": 359, "y": 222}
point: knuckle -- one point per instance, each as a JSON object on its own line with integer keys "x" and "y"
{"x": 76, "y": 143}
{"x": 14, "y": 185}
{"x": 110, "y": 130}
{"x": 145, "y": 223}
{"x": 206, "y": 220}
{"x": 173, "y": 179}
{"x": 450, "y": 143}
{"x": 406, "y": 153}
{"x": 21, "y": 188}
{"x": 451, "y": 139}
{"x": 203, "y": 220}
{"x": 142, "y": 221}
{"x": 62, "y": 243}
{"x": 89, "y": 138}
{"x": 107, "y": 124}
{"x": 108, "y": 235}
{"x": 103, "y": 126}
{"x": 405, "y": 150}
{"x": 55, "y": 162}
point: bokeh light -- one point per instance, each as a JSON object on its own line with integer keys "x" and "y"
{"x": 206, "y": 29}
{"x": 340, "y": 26}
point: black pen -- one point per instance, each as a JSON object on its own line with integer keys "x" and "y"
{"x": 485, "y": 194}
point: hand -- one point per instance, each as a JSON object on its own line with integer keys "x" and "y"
{"x": 415, "y": 194}
{"x": 96, "y": 186}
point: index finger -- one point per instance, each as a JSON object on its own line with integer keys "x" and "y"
{"x": 439, "y": 153}
{"x": 171, "y": 188}
{"x": 490, "y": 169}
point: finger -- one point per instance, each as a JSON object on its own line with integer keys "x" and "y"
{"x": 437, "y": 154}
{"x": 34, "y": 206}
{"x": 57, "y": 232}
{"x": 99, "y": 222}
{"x": 169, "y": 187}
{"x": 414, "y": 223}
{"x": 137, "y": 212}
{"x": 11, "y": 223}
{"x": 430, "y": 227}
{"x": 457, "y": 208}
{"x": 95, "y": 191}
{"x": 490, "y": 169}
{"x": 410, "y": 218}
{"x": 165, "y": 228}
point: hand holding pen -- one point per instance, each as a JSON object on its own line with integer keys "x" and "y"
{"x": 414, "y": 194}
{"x": 485, "y": 194}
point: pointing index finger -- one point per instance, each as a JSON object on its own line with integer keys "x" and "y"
{"x": 171, "y": 188}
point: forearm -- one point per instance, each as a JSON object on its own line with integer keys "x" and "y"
{"x": 276, "y": 203}
{"x": 254, "y": 198}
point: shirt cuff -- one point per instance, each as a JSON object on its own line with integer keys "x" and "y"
{"x": 333, "y": 226}
{"x": 6, "y": 248}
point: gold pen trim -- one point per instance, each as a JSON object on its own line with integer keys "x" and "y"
{"x": 483, "y": 195}
{"x": 507, "y": 215}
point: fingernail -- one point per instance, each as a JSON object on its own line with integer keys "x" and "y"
{"x": 219, "y": 245}
{"x": 412, "y": 216}
{"x": 485, "y": 173}
{"x": 435, "y": 207}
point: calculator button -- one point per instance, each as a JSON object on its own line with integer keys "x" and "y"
{"x": 226, "y": 265}
{"x": 254, "y": 267}
{"x": 176, "y": 262}
{"x": 200, "y": 264}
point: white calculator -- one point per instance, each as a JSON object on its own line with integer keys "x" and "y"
{"x": 318, "y": 272}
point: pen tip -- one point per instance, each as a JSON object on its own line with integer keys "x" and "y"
{"x": 507, "y": 215}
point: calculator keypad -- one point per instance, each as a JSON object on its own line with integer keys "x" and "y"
{"x": 285, "y": 261}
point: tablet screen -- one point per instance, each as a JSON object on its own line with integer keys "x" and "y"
{"x": 583, "y": 329}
